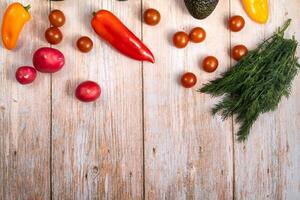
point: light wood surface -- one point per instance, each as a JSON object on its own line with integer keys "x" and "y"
{"x": 181, "y": 158}
{"x": 97, "y": 148}
{"x": 25, "y": 119}
{"x": 147, "y": 137}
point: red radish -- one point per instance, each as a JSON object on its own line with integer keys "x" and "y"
{"x": 88, "y": 91}
{"x": 48, "y": 60}
{"x": 25, "y": 75}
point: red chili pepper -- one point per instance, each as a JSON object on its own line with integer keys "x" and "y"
{"x": 111, "y": 29}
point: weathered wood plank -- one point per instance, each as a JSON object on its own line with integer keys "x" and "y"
{"x": 188, "y": 153}
{"x": 267, "y": 164}
{"x": 24, "y": 116}
{"x": 97, "y": 147}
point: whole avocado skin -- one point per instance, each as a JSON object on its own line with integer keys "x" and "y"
{"x": 200, "y": 9}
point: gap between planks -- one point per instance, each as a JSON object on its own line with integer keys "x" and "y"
{"x": 51, "y": 120}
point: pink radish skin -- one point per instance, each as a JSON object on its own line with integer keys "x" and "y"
{"x": 25, "y": 75}
{"x": 48, "y": 60}
{"x": 88, "y": 91}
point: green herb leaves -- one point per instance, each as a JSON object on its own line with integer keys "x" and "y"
{"x": 258, "y": 82}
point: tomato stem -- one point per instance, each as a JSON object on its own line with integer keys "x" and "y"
{"x": 94, "y": 14}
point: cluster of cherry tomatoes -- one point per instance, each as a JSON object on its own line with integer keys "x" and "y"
{"x": 53, "y": 34}
{"x": 210, "y": 63}
{"x": 198, "y": 35}
{"x": 181, "y": 39}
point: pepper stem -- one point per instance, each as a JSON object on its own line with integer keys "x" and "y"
{"x": 27, "y": 7}
{"x": 94, "y": 14}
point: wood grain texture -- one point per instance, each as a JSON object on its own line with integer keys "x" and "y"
{"x": 188, "y": 153}
{"x": 267, "y": 165}
{"x": 147, "y": 137}
{"x": 24, "y": 117}
{"x": 97, "y": 147}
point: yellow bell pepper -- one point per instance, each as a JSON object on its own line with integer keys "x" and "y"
{"x": 257, "y": 10}
{"x": 15, "y": 16}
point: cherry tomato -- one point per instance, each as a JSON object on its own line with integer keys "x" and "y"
{"x": 53, "y": 35}
{"x": 25, "y": 75}
{"x": 180, "y": 39}
{"x": 84, "y": 44}
{"x": 88, "y": 91}
{"x": 188, "y": 80}
{"x": 238, "y": 52}
{"x": 151, "y": 17}
{"x": 236, "y": 23}
{"x": 197, "y": 35}
{"x": 57, "y": 18}
{"x": 210, "y": 64}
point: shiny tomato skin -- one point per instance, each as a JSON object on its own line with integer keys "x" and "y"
{"x": 151, "y": 17}
{"x": 238, "y": 52}
{"x": 88, "y": 91}
{"x": 181, "y": 39}
{"x": 57, "y": 18}
{"x": 84, "y": 44}
{"x": 53, "y": 35}
{"x": 25, "y": 75}
{"x": 210, "y": 64}
{"x": 188, "y": 80}
{"x": 236, "y": 23}
{"x": 197, "y": 35}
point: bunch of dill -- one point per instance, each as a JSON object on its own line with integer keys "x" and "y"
{"x": 258, "y": 82}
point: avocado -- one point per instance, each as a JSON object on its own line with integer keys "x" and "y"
{"x": 200, "y": 9}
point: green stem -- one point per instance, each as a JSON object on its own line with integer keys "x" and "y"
{"x": 27, "y": 7}
{"x": 94, "y": 14}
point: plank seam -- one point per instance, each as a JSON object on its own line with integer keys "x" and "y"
{"x": 51, "y": 123}
{"x": 232, "y": 119}
{"x": 143, "y": 111}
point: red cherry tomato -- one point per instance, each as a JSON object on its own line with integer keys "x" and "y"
{"x": 197, "y": 35}
{"x": 181, "y": 39}
{"x": 236, "y": 23}
{"x": 188, "y": 80}
{"x": 88, "y": 91}
{"x": 53, "y": 35}
{"x": 25, "y": 75}
{"x": 84, "y": 44}
{"x": 210, "y": 64}
{"x": 238, "y": 52}
{"x": 151, "y": 17}
{"x": 57, "y": 18}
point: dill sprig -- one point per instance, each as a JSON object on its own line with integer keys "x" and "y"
{"x": 258, "y": 82}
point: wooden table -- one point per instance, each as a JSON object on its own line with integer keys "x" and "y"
{"x": 147, "y": 137}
